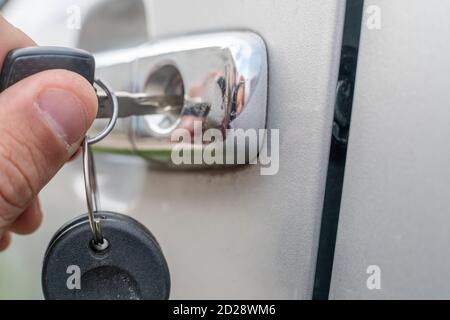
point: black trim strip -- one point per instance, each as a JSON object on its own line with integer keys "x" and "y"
{"x": 338, "y": 152}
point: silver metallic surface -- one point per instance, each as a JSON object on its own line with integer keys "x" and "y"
{"x": 239, "y": 234}
{"x": 229, "y": 234}
{"x": 222, "y": 74}
{"x": 395, "y": 211}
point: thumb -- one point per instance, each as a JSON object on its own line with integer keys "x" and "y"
{"x": 43, "y": 120}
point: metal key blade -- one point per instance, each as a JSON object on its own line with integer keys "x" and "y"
{"x": 137, "y": 104}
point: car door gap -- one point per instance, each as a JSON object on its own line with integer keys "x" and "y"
{"x": 338, "y": 150}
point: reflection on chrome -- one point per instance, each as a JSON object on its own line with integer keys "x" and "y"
{"x": 219, "y": 79}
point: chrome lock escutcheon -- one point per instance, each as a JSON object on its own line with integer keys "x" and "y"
{"x": 217, "y": 80}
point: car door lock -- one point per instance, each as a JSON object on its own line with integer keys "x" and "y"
{"x": 214, "y": 81}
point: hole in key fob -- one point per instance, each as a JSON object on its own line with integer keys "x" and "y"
{"x": 22, "y": 63}
{"x": 132, "y": 267}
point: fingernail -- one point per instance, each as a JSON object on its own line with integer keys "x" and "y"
{"x": 64, "y": 113}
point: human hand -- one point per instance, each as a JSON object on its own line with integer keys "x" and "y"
{"x": 43, "y": 120}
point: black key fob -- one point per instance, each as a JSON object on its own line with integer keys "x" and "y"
{"x": 132, "y": 267}
{"x": 22, "y": 63}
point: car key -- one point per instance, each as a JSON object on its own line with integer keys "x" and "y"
{"x": 137, "y": 104}
{"x": 112, "y": 256}
{"x": 22, "y": 63}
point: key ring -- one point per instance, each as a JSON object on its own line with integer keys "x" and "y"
{"x": 115, "y": 115}
{"x": 90, "y": 179}
{"x": 90, "y": 184}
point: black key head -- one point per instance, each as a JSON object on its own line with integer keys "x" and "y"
{"x": 22, "y": 63}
